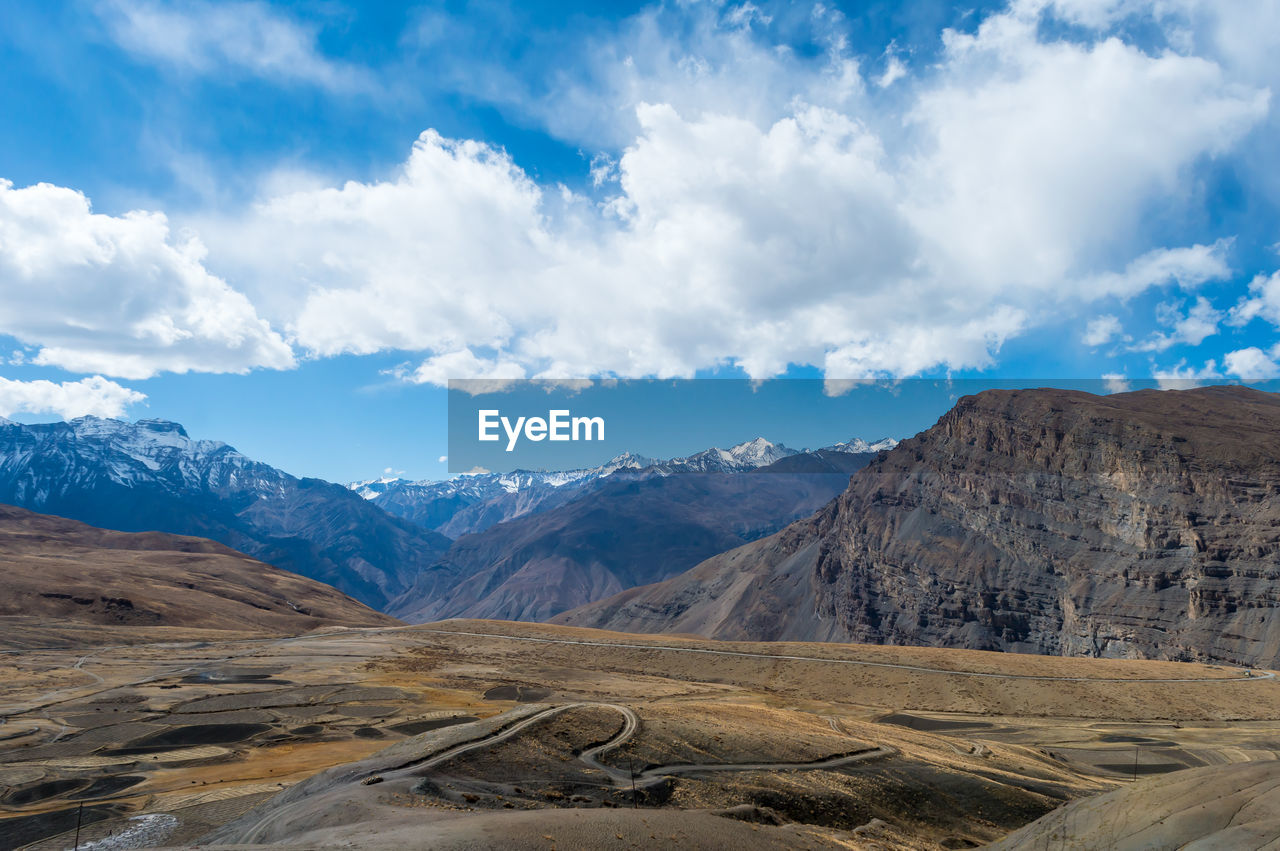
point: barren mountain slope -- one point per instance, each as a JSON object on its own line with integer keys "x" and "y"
{"x": 617, "y": 535}
{"x": 1143, "y": 524}
{"x": 60, "y": 570}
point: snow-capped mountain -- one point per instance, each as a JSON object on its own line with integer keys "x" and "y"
{"x": 858, "y": 446}
{"x": 373, "y": 488}
{"x": 489, "y": 484}
{"x": 469, "y": 503}
{"x": 41, "y": 465}
{"x": 736, "y": 459}
{"x": 472, "y": 503}
{"x": 151, "y": 475}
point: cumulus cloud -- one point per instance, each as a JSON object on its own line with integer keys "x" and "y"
{"x": 483, "y": 375}
{"x": 1191, "y": 328}
{"x": 242, "y": 37}
{"x": 1186, "y": 267}
{"x": 119, "y": 295}
{"x": 809, "y": 238}
{"x": 89, "y": 396}
{"x": 1262, "y": 302}
{"x": 761, "y": 209}
{"x": 1102, "y": 330}
{"x": 1253, "y": 363}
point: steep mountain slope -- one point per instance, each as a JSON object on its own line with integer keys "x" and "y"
{"x": 1138, "y": 525}
{"x": 150, "y": 475}
{"x": 622, "y": 533}
{"x": 60, "y": 570}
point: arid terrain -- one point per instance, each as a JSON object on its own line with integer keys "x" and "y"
{"x": 67, "y": 573}
{"x": 466, "y": 734}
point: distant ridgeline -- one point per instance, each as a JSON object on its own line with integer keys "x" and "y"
{"x": 388, "y": 543}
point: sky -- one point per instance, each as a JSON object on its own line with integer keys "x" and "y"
{"x": 287, "y": 225}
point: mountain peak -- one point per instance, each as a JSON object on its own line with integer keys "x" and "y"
{"x": 759, "y": 452}
{"x": 858, "y": 445}
{"x": 627, "y": 459}
{"x": 371, "y": 488}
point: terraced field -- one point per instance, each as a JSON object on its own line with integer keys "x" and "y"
{"x": 488, "y": 730}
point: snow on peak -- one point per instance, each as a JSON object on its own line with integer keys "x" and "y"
{"x": 626, "y": 461}
{"x": 371, "y": 488}
{"x": 858, "y": 445}
{"x": 759, "y": 452}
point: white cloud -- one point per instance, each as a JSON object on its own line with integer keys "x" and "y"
{"x": 442, "y": 459}
{"x": 1199, "y": 323}
{"x": 1253, "y": 363}
{"x": 767, "y": 209}
{"x": 485, "y": 375}
{"x": 119, "y": 295}
{"x": 1047, "y": 155}
{"x": 1263, "y": 302}
{"x": 213, "y": 37}
{"x": 894, "y": 70}
{"x": 1102, "y": 330}
{"x": 809, "y": 238}
{"x": 89, "y": 396}
{"x": 1187, "y": 268}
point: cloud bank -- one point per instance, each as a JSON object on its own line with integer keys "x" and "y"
{"x": 775, "y": 212}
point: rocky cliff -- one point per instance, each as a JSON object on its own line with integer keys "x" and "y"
{"x": 1141, "y": 525}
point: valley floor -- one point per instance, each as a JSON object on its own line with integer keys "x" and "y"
{"x": 467, "y": 734}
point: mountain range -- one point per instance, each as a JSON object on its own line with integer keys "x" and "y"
{"x": 625, "y": 531}
{"x": 1138, "y": 525}
{"x": 150, "y": 475}
{"x": 474, "y": 502}
{"x": 547, "y": 542}
{"x": 597, "y": 531}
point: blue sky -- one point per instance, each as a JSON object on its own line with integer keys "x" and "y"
{"x": 287, "y": 224}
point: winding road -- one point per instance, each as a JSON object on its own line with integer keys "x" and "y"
{"x": 649, "y": 776}
{"x": 260, "y": 831}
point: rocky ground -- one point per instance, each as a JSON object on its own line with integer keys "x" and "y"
{"x": 478, "y": 733}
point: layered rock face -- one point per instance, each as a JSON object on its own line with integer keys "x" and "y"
{"x": 1140, "y": 525}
